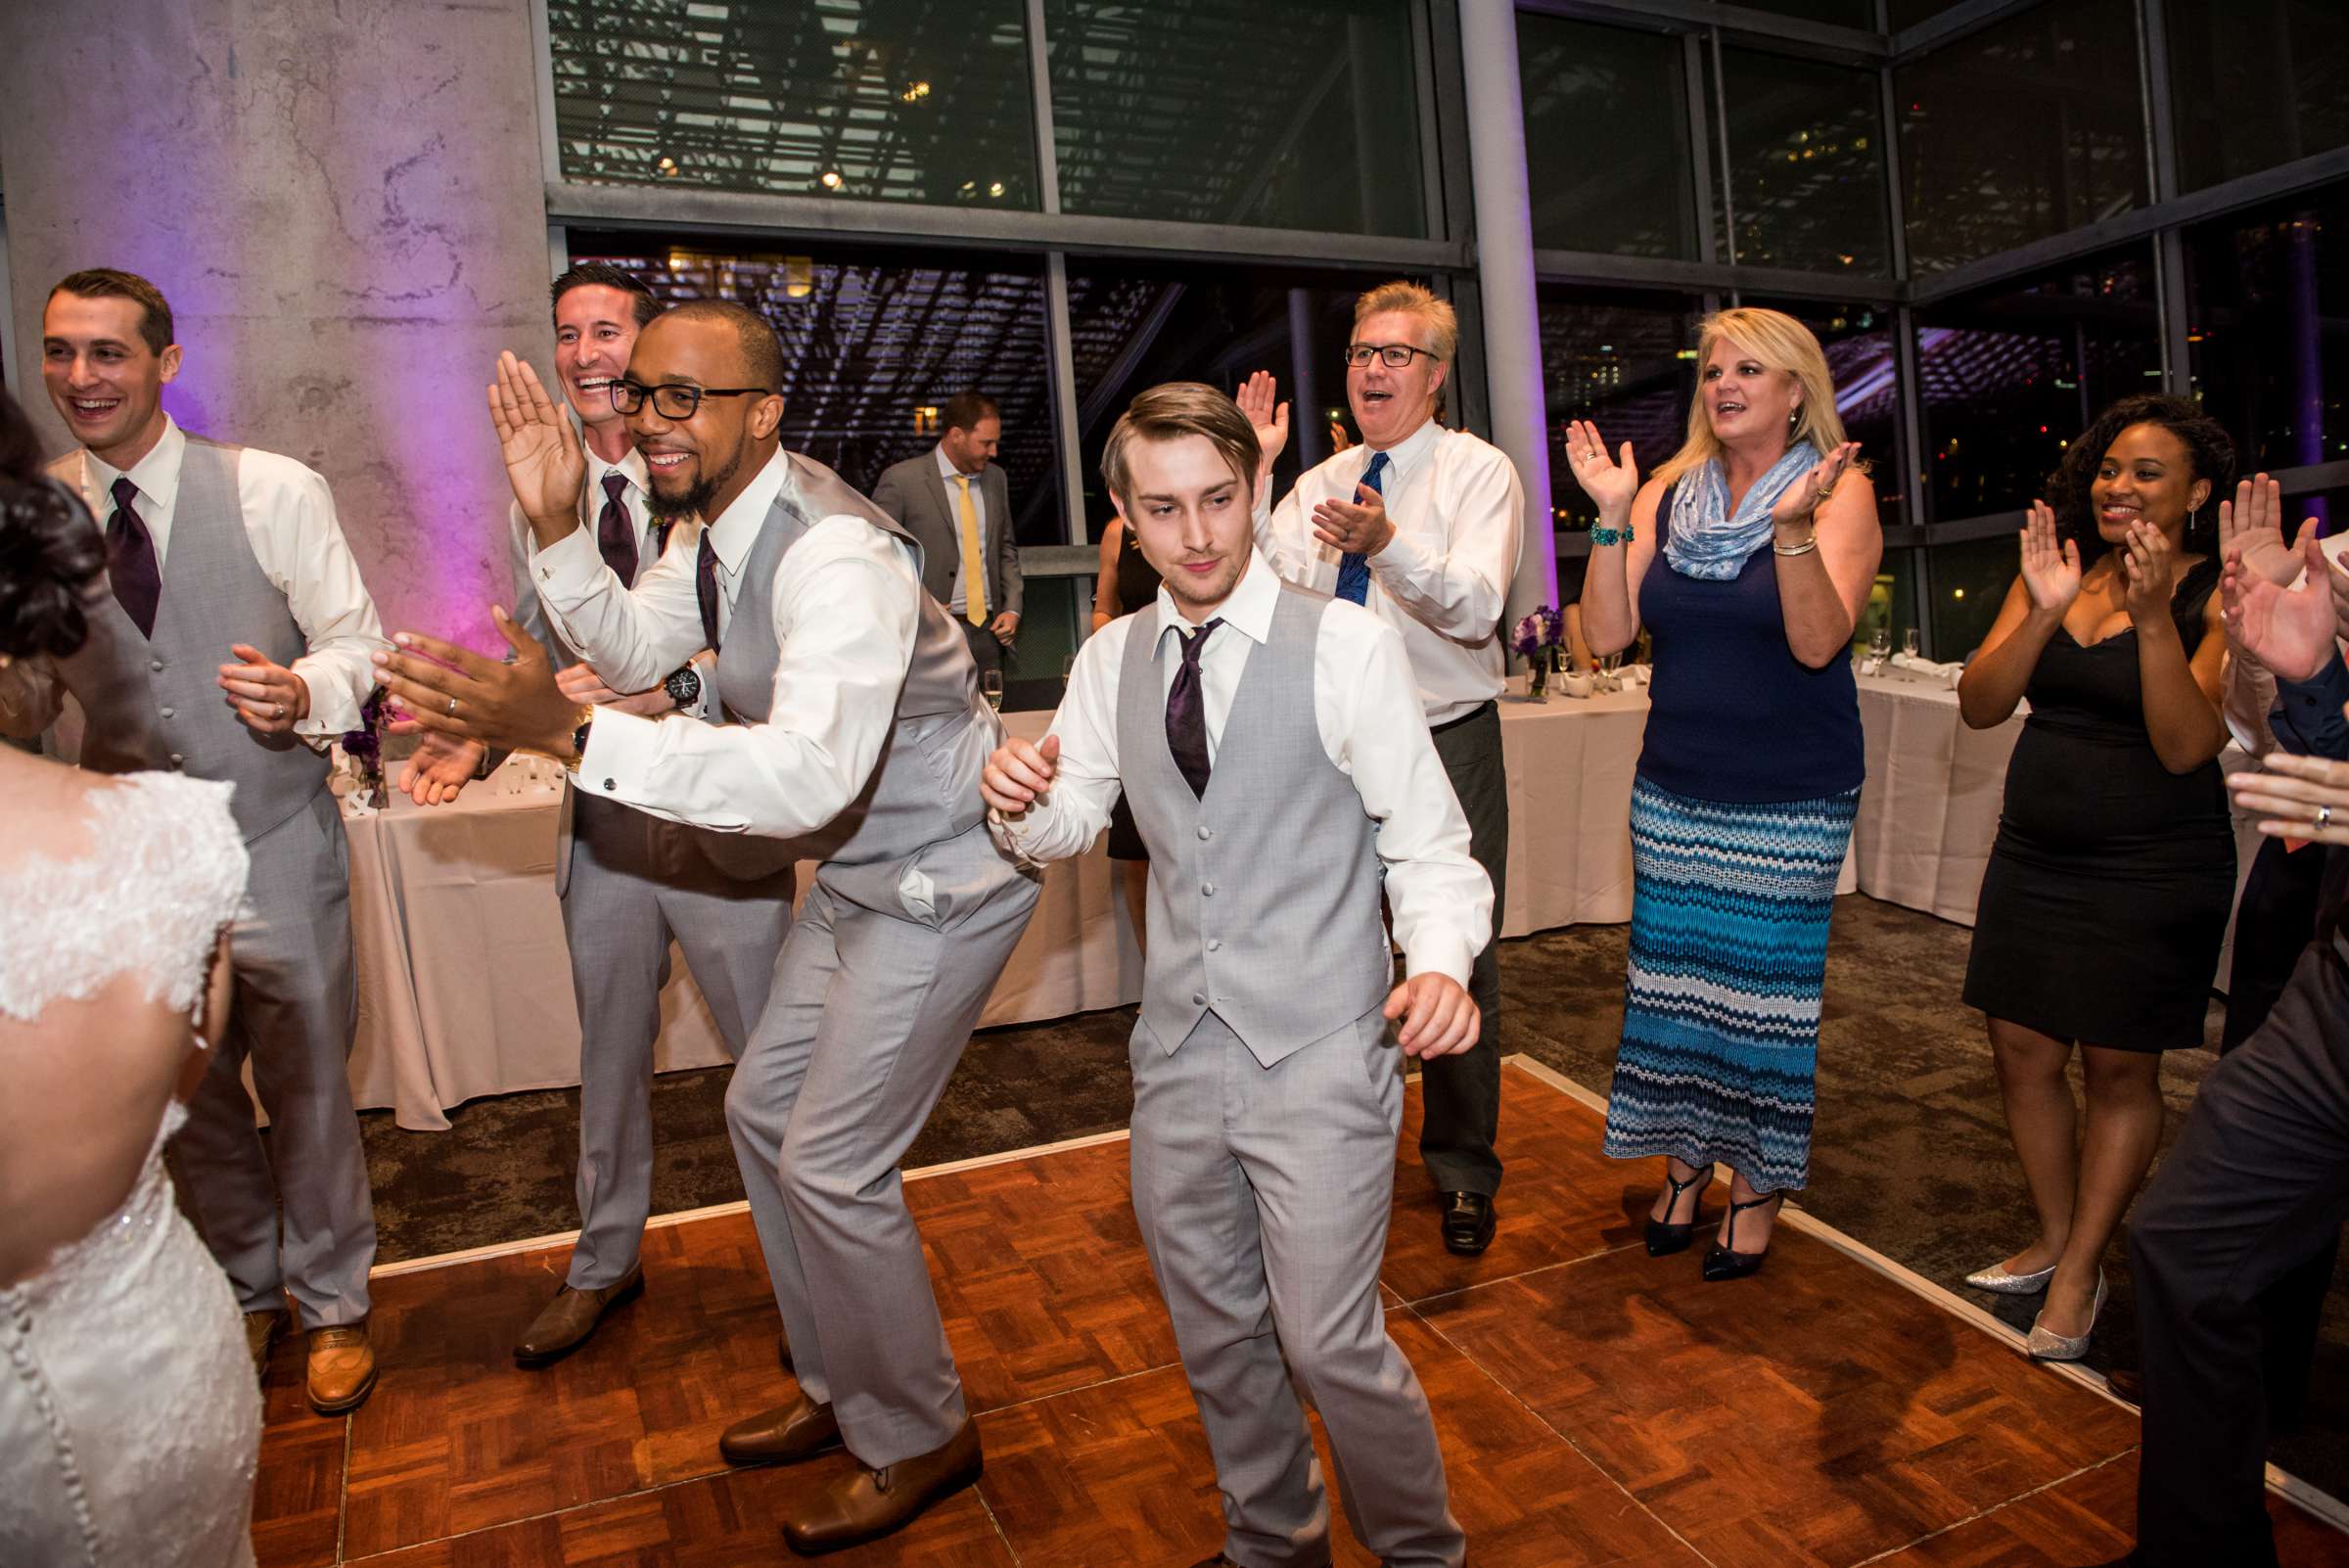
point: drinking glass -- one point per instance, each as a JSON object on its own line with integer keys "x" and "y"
{"x": 1879, "y": 648}
{"x": 990, "y": 687}
{"x": 1608, "y": 664}
{"x": 1908, "y": 643}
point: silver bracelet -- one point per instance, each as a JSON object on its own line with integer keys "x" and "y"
{"x": 1805, "y": 548}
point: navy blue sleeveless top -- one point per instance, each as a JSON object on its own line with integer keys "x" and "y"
{"x": 1736, "y": 716}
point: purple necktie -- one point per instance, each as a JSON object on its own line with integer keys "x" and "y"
{"x": 705, "y": 589}
{"x": 614, "y": 531}
{"x": 1186, "y": 713}
{"x": 130, "y": 559}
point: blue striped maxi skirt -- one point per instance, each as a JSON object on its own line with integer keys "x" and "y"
{"x": 1729, "y": 912}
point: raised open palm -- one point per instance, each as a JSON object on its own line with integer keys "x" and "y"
{"x": 2050, "y": 569}
{"x": 1610, "y": 482}
{"x": 1806, "y": 494}
{"x": 544, "y": 459}
{"x": 2290, "y": 631}
{"x": 1259, "y": 400}
{"x": 2251, "y": 528}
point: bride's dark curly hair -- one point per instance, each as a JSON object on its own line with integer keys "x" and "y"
{"x": 50, "y": 552}
{"x": 2207, "y": 445}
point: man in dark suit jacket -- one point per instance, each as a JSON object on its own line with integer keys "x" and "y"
{"x": 957, "y": 503}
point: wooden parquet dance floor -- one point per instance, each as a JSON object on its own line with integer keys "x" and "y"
{"x": 1596, "y": 1406}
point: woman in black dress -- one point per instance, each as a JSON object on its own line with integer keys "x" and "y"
{"x": 1125, "y": 583}
{"x": 2108, "y": 889}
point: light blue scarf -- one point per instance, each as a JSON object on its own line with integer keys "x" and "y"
{"x": 1704, "y": 540}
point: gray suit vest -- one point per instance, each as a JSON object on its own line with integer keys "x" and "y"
{"x": 1265, "y": 890}
{"x": 214, "y": 593}
{"x": 924, "y": 787}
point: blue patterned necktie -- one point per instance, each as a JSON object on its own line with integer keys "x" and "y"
{"x": 1186, "y": 711}
{"x": 1354, "y": 567}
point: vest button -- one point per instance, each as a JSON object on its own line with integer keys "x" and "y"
{"x": 1206, "y": 833}
{"x": 1208, "y": 890}
{"x": 167, "y": 713}
{"x": 1198, "y": 998}
{"x": 156, "y": 664}
{"x": 1215, "y": 944}
{"x": 177, "y": 760}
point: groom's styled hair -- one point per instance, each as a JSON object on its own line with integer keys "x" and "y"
{"x": 1171, "y": 411}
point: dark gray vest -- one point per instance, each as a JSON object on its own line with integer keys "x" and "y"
{"x": 924, "y": 787}
{"x": 214, "y": 594}
{"x": 1265, "y": 890}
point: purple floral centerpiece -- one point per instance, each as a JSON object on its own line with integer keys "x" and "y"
{"x": 364, "y": 746}
{"x": 1537, "y": 635}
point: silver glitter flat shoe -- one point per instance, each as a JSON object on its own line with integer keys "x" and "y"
{"x": 1996, "y": 1279}
{"x": 2046, "y": 1347}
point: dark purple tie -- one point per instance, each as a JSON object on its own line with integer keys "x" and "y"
{"x": 616, "y": 531}
{"x": 1187, "y": 712}
{"x": 704, "y": 588}
{"x": 130, "y": 559}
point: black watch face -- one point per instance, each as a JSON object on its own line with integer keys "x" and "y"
{"x": 685, "y": 686}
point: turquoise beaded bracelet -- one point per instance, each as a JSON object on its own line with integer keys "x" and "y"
{"x": 1622, "y": 536}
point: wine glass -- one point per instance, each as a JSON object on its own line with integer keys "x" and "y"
{"x": 1908, "y": 643}
{"x": 1608, "y": 664}
{"x": 990, "y": 687}
{"x": 1879, "y": 648}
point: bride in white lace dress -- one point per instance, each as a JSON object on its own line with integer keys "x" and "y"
{"x": 129, "y": 1419}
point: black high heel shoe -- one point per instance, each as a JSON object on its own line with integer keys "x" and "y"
{"x": 1663, "y": 1239}
{"x": 1726, "y": 1262}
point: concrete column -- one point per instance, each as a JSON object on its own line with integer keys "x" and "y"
{"x": 1505, "y": 250}
{"x": 346, "y": 207}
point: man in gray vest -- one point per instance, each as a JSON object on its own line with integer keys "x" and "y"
{"x": 628, "y": 882}
{"x": 861, "y": 736}
{"x": 956, "y": 503}
{"x": 257, "y": 637}
{"x": 1271, "y": 743}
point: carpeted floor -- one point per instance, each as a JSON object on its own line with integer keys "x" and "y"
{"x": 1909, "y": 1153}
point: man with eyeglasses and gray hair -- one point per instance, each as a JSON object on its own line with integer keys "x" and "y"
{"x": 1420, "y": 525}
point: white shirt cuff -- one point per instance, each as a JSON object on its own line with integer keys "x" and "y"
{"x": 1440, "y": 954}
{"x": 619, "y": 756}
{"x": 568, "y": 570}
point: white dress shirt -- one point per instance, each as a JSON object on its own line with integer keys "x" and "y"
{"x": 847, "y": 607}
{"x": 290, "y": 520}
{"x": 958, "y": 602}
{"x": 1368, "y": 717}
{"x": 1441, "y": 580}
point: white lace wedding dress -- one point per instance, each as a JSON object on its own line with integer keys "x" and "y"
{"x": 129, "y": 1419}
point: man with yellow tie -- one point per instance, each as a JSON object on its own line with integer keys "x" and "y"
{"x": 957, "y": 503}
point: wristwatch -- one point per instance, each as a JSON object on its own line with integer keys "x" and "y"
{"x": 578, "y": 741}
{"x": 684, "y": 685}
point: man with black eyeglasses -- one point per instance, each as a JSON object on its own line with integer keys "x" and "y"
{"x": 857, "y": 736}
{"x": 630, "y": 884}
{"x": 1420, "y": 525}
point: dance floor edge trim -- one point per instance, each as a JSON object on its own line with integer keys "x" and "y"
{"x": 2311, "y": 1499}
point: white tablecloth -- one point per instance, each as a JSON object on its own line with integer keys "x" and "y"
{"x": 465, "y": 983}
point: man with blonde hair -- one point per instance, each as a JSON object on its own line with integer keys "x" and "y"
{"x": 1420, "y": 525}
{"x": 1269, "y": 743}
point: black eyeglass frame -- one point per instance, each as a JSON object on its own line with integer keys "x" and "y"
{"x": 629, "y": 395}
{"x": 1384, "y": 351}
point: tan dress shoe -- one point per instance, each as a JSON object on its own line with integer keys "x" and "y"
{"x": 784, "y": 1435}
{"x": 341, "y": 1369}
{"x": 564, "y": 1324}
{"x": 261, "y": 1332}
{"x": 868, "y": 1504}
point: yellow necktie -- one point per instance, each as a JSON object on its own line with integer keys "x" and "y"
{"x": 974, "y": 565}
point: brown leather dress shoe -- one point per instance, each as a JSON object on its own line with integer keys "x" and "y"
{"x": 784, "y": 1435}
{"x": 868, "y": 1504}
{"x": 341, "y": 1368}
{"x": 564, "y": 1324}
{"x": 263, "y": 1330}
